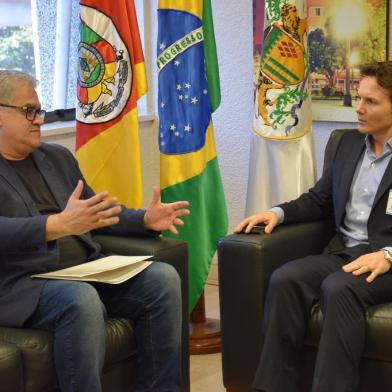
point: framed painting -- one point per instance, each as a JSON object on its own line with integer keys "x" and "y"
{"x": 343, "y": 35}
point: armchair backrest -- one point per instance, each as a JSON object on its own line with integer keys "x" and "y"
{"x": 332, "y": 143}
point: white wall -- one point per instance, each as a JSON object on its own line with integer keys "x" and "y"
{"x": 233, "y": 119}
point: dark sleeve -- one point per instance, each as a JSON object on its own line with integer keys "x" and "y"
{"x": 131, "y": 223}
{"x": 317, "y": 203}
{"x": 22, "y": 233}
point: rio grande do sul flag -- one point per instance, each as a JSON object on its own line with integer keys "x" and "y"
{"x": 281, "y": 163}
{"x": 188, "y": 93}
{"x": 111, "y": 79}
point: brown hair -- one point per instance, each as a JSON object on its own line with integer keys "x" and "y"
{"x": 382, "y": 72}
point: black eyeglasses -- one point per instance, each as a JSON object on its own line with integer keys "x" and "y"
{"x": 30, "y": 112}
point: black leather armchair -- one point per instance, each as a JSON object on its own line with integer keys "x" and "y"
{"x": 26, "y": 363}
{"x": 245, "y": 264}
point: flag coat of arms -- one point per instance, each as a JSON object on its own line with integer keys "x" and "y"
{"x": 111, "y": 78}
{"x": 188, "y": 94}
{"x": 281, "y": 163}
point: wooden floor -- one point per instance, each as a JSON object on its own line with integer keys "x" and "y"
{"x": 206, "y": 370}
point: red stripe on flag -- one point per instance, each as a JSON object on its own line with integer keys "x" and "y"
{"x": 104, "y": 48}
{"x": 123, "y": 15}
{"x": 82, "y": 94}
{"x": 126, "y": 26}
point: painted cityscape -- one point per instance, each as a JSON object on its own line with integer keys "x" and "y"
{"x": 343, "y": 35}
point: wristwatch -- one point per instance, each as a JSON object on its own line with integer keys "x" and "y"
{"x": 387, "y": 255}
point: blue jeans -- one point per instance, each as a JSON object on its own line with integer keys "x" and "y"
{"x": 76, "y": 313}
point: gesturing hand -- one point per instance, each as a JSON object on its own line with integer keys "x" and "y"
{"x": 80, "y": 216}
{"x": 374, "y": 263}
{"x": 161, "y": 216}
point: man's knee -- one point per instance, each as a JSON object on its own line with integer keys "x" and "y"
{"x": 164, "y": 285}
{"x": 82, "y": 300}
{"x": 285, "y": 276}
{"x": 336, "y": 289}
{"x": 164, "y": 276}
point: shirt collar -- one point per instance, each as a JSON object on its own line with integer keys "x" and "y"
{"x": 387, "y": 147}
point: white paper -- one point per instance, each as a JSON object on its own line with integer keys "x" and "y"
{"x": 111, "y": 269}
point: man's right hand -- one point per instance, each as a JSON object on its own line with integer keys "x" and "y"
{"x": 81, "y": 216}
{"x": 267, "y": 218}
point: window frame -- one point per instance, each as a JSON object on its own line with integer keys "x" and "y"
{"x": 144, "y": 20}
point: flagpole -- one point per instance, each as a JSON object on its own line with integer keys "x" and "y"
{"x": 205, "y": 335}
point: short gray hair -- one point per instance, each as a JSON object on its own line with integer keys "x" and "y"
{"x": 8, "y": 78}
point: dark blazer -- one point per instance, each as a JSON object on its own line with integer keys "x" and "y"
{"x": 328, "y": 198}
{"x": 23, "y": 248}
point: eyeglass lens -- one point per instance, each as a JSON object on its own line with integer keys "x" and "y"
{"x": 31, "y": 113}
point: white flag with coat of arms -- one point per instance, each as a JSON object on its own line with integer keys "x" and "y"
{"x": 281, "y": 163}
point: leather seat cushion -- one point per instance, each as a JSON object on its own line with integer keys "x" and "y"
{"x": 121, "y": 342}
{"x": 11, "y": 371}
{"x": 36, "y": 347}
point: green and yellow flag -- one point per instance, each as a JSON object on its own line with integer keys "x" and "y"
{"x": 188, "y": 93}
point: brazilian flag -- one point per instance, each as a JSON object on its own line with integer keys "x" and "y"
{"x": 188, "y": 93}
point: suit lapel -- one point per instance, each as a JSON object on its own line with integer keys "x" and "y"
{"x": 353, "y": 156}
{"x": 385, "y": 184}
{"x": 10, "y": 175}
{"x": 58, "y": 187}
{"x": 347, "y": 176}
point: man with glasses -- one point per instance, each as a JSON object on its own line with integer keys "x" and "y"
{"x": 47, "y": 212}
{"x": 30, "y": 112}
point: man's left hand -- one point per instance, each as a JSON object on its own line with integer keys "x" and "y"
{"x": 161, "y": 216}
{"x": 374, "y": 263}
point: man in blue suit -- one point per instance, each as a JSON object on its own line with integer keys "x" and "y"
{"x": 354, "y": 271}
{"x": 47, "y": 212}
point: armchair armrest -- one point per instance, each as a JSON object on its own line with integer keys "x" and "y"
{"x": 161, "y": 248}
{"x": 245, "y": 263}
{"x": 167, "y": 250}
